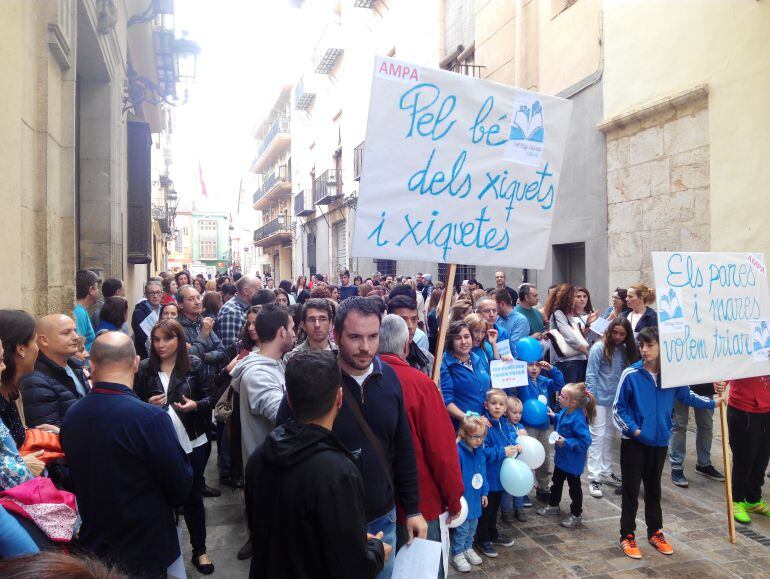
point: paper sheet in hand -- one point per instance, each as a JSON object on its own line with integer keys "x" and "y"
{"x": 504, "y": 348}
{"x": 149, "y": 322}
{"x": 507, "y": 374}
{"x": 420, "y": 560}
{"x": 599, "y": 326}
{"x": 445, "y": 542}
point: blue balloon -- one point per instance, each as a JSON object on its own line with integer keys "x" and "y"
{"x": 516, "y": 477}
{"x": 534, "y": 412}
{"x": 529, "y": 350}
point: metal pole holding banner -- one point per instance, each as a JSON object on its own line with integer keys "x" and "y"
{"x": 444, "y": 323}
{"x": 728, "y": 471}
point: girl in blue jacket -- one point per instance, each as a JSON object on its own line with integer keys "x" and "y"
{"x": 544, "y": 380}
{"x": 473, "y": 464}
{"x": 642, "y": 412}
{"x": 606, "y": 361}
{"x": 571, "y": 424}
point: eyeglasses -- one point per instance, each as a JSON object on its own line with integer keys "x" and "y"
{"x": 320, "y": 320}
{"x": 475, "y": 436}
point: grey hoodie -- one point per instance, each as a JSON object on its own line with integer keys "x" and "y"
{"x": 261, "y": 382}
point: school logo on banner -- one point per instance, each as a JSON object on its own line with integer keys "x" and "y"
{"x": 458, "y": 169}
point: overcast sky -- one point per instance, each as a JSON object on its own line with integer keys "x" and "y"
{"x": 247, "y": 54}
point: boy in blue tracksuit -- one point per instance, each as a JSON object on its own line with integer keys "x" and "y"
{"x": 500, "y": 443}
{"x": 642, "y": 412}
{"x": 544, "y": 380}
{"x": 571, "y": 424}
{"x": 473, "y": 465}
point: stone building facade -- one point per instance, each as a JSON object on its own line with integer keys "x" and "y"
{"x": 658, "y": 196}
{"x": 65, "y": 154}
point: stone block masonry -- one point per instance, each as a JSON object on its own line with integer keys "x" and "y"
{"x": 658, "y": 185}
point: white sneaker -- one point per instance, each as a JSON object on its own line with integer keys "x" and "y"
{"x": 595, "y": 489}
{"x": 473, "y": 557}
{"x": 460, "y": 563}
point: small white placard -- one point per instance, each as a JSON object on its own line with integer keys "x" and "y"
{"x": 507, "y": 374}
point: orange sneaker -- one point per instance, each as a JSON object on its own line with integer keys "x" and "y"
{"x": 659, "y": 542}
{"x": 629, "y": 547}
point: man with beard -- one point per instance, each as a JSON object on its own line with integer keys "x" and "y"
{"x": 373, "y": 424}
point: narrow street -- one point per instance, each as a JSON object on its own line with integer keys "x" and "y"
{"x": 694, "y": 522}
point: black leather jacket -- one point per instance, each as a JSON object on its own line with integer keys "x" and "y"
{"x": 195, "y": 385}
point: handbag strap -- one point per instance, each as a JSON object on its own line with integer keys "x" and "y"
{"x": 370, "y": 436}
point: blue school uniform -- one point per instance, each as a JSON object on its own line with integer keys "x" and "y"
{"x": 573, "y": 428}
{"x": 549, "y": 384}
{"x": 473, "y": 465}
{"x": 499, "y": 435}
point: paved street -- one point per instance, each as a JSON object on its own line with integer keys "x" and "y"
{"x": 694, "y": 519}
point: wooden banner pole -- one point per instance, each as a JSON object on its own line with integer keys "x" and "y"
{"x": 444, "y": 325}
{"x": 728, "y": 471}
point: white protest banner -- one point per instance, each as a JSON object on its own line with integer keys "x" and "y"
{"x": 457, "y": 169}
{"x": 713, "y": 314}
{"x": 508, "y": 373}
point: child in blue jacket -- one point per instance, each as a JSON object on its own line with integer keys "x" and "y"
{"x": 473, "y": 464}
{"x": 642, "y": 412}
{"x": 571, "y": 424}
{"x": 544, "y": 380}
{"x": 500, "y": 443}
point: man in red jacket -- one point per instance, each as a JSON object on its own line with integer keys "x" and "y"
{"x": 438, "y": 466}
{"x": 748, "y": 420}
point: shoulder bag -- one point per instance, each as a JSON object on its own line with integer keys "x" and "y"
{"x": 370, "y": 436}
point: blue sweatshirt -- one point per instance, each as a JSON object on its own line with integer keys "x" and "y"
{"x": 549, "y": 384}
{"x": 641, "y": 404}
{"x": 473, "y": 465}
{"x": 499, "y": 435}
{"x": 573, "y": 428}
{"x": 485, "y": 354}
{"x": 465, "y": 387}
{"x": 602, "y": 379}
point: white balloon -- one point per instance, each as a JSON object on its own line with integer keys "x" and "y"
{"x": 532, "y": 451}
{"x": 462, "y": 516}
{"x": 543, "y": 399}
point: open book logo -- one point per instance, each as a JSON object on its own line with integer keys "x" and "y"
{"x": 670, "y": 308}
{"x": 528, "y": 123}
{"x": 761, "y": 336}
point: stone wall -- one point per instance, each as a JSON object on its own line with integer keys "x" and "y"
{"x": 658, "y": 196}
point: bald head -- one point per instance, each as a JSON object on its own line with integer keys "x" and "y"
{"x": 57, "y": 337}
{"x": 51, "y": 323}
{"x": 114, "y": 359}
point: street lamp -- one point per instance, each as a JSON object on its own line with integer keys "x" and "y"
{"x": 139, "y": 89}
{"x": 186, "y": 53}
{"x": 172, "y": 200}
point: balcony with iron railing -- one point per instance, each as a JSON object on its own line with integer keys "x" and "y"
{"x": 358, "y": 161}
{"x": 276, "y": 139}
{"x": 474, "y": 70}
{"x": 273, "y": 232}
{"x": 303, "y": 96}
{"x": 326, "y": 188}
{"x": 274, "y": 185}
{"x": 328, "y": 51}
{"x": 303, "y": 205}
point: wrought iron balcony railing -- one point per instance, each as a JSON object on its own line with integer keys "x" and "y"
{"x": 270, "y": 229}
{"x": 326, "y": 188}
{"x": 276, "y": 177}
{"x": 280, "y": 125}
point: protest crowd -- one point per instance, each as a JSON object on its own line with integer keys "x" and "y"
{"x": 321, "y": 403}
